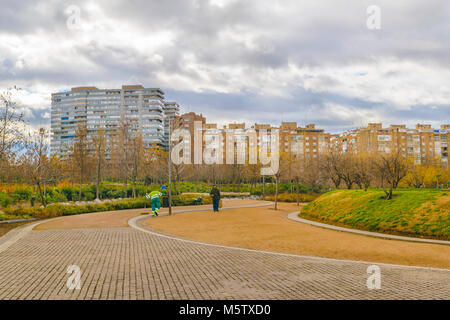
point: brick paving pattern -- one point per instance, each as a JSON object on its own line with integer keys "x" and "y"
{"x": 125, "y": 263}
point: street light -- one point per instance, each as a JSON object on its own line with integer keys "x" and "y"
{"x": 170, "y": 168}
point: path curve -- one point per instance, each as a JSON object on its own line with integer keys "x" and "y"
{"x": 137, "y": 224}
{"x": 294, "y": 217}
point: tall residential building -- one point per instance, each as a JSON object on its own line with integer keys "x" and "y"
{"x": 171, "y": 111}
{"x": 144, "y": 109}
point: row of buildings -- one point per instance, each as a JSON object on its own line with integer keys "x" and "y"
{"x": 146, "y": 110}
{"x": 422, "y": 142}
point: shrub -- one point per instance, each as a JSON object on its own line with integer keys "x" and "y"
{"x": 32, "y": 199}
{"x": 68, "y": 193}
{"x": 5, "y": 200}
{"x": 55, "y": 210}
{"x": 58, "y": 197}
{"x": 22, "y": 194}
{"x": 88, "y": 196}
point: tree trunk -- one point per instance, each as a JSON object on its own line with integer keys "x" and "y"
{"x": 134, "y": 187}
{"x": 276, "y": 193}
{"x": 264, "y": 187}
{"x": 389, "y": 194}
{"x": 98, "y": 181}
{"x": 298, "y": 192}
{"x": 175, "y": 186}
{"x": 41, "y": 194}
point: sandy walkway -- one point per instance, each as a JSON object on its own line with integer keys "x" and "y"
{"x": 267, "y": 229}
{"x": 117, "y": 219}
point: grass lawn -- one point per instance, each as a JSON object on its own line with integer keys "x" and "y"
{"x": 412, "y": 212}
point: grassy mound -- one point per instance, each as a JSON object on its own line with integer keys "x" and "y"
{"x": 418, "y": 213}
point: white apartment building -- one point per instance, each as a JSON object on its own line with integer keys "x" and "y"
{"x": 144, "y": 109}
{"x": 171, "y": 111}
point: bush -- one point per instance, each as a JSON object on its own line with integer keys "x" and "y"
{"x": 32, "y": 199}
{"x": 22, "y": 194}
{"x": 58, "y": 197}
{"x": 68, "y": 193}
{"x": 5, "y": 200}
{"x": 88, "y": 196}
{"x": 55, "y": 210}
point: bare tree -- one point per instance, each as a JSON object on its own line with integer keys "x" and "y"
{"x": 329, "y": 165}
{"x": 311, "y": 173}
{"x": 252, "y": 174}
{"x": 137, "y": 159}
{"x": 11, "y": 123}
{"x": 392, "y": 167}
{"x": 99, "y": 154}
{"x": 152, "y": 161}
{"x": 362, "y": 167}
{"x": 178, "y": 171}
{"x": 296, "y": 175}
{"x": 35, "y": 162}
{"x": 80, "y": 153}
{"x": 282, "y": 171}
{"x": 121, "y": 153}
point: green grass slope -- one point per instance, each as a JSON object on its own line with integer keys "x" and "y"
{"x": 418, "y": 213}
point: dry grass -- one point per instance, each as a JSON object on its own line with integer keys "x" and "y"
{"x": 270, "y": 230}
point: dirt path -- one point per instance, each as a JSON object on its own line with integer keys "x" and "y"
{"x": 270, "y": 230}
{"x": 6, "y": 227}
{"x": 117, "y": 219}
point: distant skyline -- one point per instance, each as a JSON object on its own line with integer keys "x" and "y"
{"x": 238, "y": 61}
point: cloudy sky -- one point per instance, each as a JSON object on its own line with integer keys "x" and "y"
{"x": 253, "y": 61}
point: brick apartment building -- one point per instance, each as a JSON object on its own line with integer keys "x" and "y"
{"x": 421, "y": 143}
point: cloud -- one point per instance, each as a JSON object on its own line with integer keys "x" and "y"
{"x": 253, "y": 61}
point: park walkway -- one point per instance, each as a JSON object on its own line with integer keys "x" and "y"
{"x": 128, "y": 263}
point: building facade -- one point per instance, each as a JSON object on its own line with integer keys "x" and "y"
{"x": 302, "y": 142}
{"x": 143, "y": 109}
{"x": 422, "y": 143}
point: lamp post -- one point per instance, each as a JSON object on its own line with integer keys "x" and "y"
{"x": 170, "y": 170}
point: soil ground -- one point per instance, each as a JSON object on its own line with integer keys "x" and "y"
{"x": 117, "y": 219}
{"x": 6, "y": 227}
{"x": 270, "y": 230}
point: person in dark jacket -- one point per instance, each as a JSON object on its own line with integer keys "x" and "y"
{"x": 215, "y": 194}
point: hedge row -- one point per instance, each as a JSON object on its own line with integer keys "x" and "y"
{"x": 108, "y": 191}
{"x": 56, "y": 210}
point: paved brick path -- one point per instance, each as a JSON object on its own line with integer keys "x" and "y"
{"x": 125, "y": 263}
